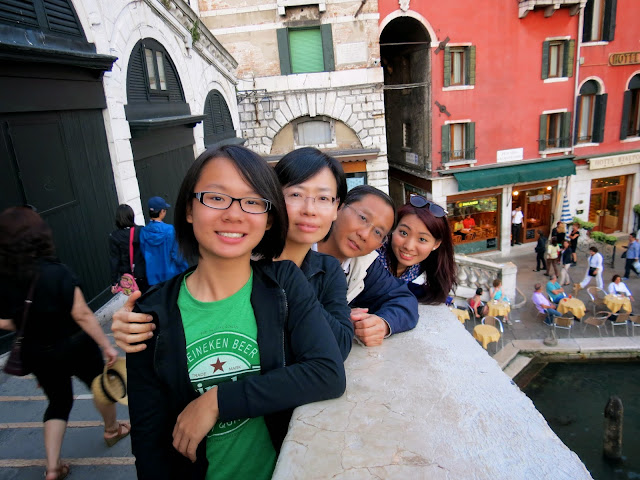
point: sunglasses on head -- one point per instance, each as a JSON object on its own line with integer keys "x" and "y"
{"x": 419, "y": 201}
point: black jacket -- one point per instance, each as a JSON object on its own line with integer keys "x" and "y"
{"x": 119, "y": 254}
{"x": 541, "y": 246}
{"x": 299, "y": 360}
{"x": 326, "y": 277}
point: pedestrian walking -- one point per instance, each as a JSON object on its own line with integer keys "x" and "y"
{"x": 633, "y": 254}
{"x": 159, "y": 245}
{"x": 541, "y": 249}
{"x": 62, "y": 337}
{"x": 553, "y": 252}
{"x": 566, "y": 259}
{"x": 516, "y": 226}
{"x": 123, "y": 242}
{"x": 595, "y": 267}
{"x": 574, "y": 235}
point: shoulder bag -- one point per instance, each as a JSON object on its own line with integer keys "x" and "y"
{"x": 127, "y": 283}
{"x": 15, "y": 365}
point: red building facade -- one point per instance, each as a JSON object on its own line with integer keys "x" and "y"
{"x": 504, "y": 121}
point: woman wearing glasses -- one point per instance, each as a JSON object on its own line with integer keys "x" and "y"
{"x": 420, "y": 250}
{"x": 237, "y": 343}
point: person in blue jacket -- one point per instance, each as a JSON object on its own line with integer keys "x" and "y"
{"x": 158, "y": 245}
{"x": 238, "y": 344}
{"x": 381, "y": 305}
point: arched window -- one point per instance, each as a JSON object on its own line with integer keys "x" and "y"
{"x": 631, "y": 110}
{"x": 590, "y": 114}
{"x": 217, "y": 124}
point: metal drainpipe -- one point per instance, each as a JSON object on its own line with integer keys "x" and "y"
{"x": 577, "y": 75}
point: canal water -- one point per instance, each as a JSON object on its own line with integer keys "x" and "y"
{"x": 572, "y": 396}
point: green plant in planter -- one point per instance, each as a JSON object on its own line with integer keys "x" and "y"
{"x": 598, "y": 236}
{"x": 610, "y": 239}
{"x": 636, "y": 208}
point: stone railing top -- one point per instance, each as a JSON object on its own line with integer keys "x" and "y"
{"x": 429, "y": 403}
{"x": 486, "y": 264}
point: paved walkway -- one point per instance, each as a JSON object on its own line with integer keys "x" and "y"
{"x": 525, "y": 323}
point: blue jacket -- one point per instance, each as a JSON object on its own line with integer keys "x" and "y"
{"x": 161, "y": 254}
{"x": 634, "y": 251}
{"x": 326, "y": 277}
{"x": 388, "y": 297}
{"x": 299, "y": 363}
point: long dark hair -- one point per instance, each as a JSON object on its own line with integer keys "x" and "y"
{"x": 440, "y": 265}
{"x": 124, "y": 216}
{"x": 257, "y": 173}
{"x": 24, "y": 238}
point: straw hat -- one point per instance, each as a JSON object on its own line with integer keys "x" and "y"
{"x": 111, "y": 386}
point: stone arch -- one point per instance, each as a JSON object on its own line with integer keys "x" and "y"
{"x": 632, "y": 77}
{"x": 416, "y": 16}
{"x": 598, "y": 80}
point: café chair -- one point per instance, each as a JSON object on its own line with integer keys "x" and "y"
{"x": 596, "y": 296}
{"x": 634, "y": 321}
{"x": 467, "y": 307}
{"x": 494, "y": 322}
{"x": 620, "y": 321}
{"x": 599, "y": 320}
{"x": 563, "y": 322}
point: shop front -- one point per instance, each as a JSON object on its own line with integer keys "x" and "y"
{"x": 607, "y": 203}
{"x": 538, "y": 203}
{"x": 475, "y": 221}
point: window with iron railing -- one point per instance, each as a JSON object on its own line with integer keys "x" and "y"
{"x": 458, "y": 141}
{"x": 554, "y": 131}
{"x": 590, "y": 114}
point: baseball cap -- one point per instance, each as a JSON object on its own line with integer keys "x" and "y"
{"x": 157, "y": 203}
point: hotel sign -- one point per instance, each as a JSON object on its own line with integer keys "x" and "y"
{"x": 614, "y": 161}
{"x": 624, "y": 58}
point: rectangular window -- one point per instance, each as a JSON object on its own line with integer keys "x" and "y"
{"x": 161, "y": 75}
{"x": 305, "y": 50}
{"x": 458, "y": 141}
{"x": 634, "y": 114}
{"x": 406, "y": 136}
{"x": 557, "y": 58}
{"x": 155, "y": 70}
{"x": 459, "y": 66}
{"x": 313, "y": 133}
{"x": 554, "y": 130}
{"x": 585, "y": 122}
{"x": 599, "y": 20}
{"x": 151, "y": 69}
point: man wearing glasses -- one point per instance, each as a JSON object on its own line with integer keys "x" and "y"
{"x": 380, "y": 303}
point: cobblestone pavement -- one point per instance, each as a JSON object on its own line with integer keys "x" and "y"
{"x": 525, "y": 323}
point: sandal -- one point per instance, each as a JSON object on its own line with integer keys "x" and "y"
{"x": 60, "y": 472}
{"x": 115, "y": 436}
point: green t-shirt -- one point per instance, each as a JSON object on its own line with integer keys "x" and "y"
{"x": 222, "y": 347}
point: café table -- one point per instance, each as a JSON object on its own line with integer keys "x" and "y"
{"x": 461, "y": 315}
{"x": 486, "y": 334}
{"x": 573, "y": 305}
{"x": 617, "y": 302}
{"x": 498, "y": 308}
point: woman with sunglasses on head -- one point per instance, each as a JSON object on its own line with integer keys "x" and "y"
{"x": 237, "y": 343}
{"x": 420, "y": 250}
{"x": 313, "y": 185}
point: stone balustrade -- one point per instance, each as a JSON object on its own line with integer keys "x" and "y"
{"x": 429, "y": 404}
{"x": 474, "y": 272}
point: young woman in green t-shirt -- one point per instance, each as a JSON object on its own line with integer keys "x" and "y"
{"x": 237, "y": 343}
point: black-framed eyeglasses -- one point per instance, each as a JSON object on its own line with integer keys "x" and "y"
{"x": 221, "y": 201}
{"x": 436, "y": 210}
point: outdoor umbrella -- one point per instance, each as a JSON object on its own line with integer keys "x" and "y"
{"x": 566, "y": 213}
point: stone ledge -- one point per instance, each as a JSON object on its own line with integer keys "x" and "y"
{"x": 429, "y": 403}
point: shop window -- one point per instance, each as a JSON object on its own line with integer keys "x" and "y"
{"x": 599, "y": 20}
{"x": 474, "y": 224}
{"x": 305, "y": 50}
{"x": 554, "y": 130}
{"x": 458, "y": 141}
{"x": 459, "y": 66}
{"x": 590, "y": 114}
{"x": 557, "y": 58}
{"x": 630, "y": 126}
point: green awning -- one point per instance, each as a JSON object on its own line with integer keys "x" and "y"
{"x": 529, "y": 172}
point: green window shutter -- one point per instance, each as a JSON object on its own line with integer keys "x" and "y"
{"x": 447, "y": 66}
{"x": 305, "y": 48}
{"x": 471, "y": 65}
{"x": 542, "y": 143}
{"x": 569, "y": 55}
{"x": 283, "y": 51}
{"x": 545, "y": 60}
{"x": 588, "y": 21}
{"x": 470, "y": 141}
{"x": 626, "y": 109}
{"x": 565, "y": 128}
{"x": 609, "y": 23}
{"x": 327, "y": 47}
{"x": 446, "y": 143}
{"x": 598, "y": 118}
